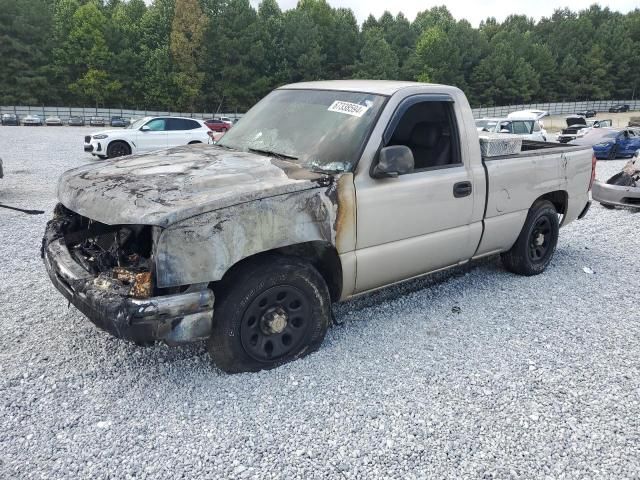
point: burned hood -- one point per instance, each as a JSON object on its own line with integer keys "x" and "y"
{"x": 161, "y": 188}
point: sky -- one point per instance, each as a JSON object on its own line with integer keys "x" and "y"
{"x": 473, "y": 11}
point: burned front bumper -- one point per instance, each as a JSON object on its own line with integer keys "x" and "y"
{"x": 174, "y": 319}
{"x": 616, "y": 195}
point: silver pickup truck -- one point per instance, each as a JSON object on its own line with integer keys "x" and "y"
{"x": 323, "y": 191}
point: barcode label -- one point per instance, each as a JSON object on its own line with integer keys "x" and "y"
{"x": 348, "y": 108}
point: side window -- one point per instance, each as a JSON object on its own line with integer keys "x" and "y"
{"x": 191, "y": 125}
{"x": 520, "y": 128}
{"x": 157, "y": 124}
{"x": 508, "y": 126}
{"x": 179, "y": 124}
{"x": 429, "y": 129}
{"x": 536, "y": 127}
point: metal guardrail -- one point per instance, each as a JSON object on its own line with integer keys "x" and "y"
{"x": 64, "y": 113}
{"x": 559, "y": 108}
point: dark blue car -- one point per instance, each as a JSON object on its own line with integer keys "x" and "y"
{"x": 623, "y": 143}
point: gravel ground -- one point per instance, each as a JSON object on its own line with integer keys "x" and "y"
{"x": 525, "y": 378}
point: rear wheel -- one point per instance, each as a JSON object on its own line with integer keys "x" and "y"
{"x": 536, "y": 244}
{"x": 118, "y": 149}
{"x": 269, "y": 312}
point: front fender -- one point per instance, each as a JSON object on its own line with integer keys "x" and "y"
{"x": 202, "y": 248}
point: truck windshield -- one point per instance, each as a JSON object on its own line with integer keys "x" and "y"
{"x": 322, "y": 130}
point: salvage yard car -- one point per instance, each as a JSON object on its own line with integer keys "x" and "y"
{"x": 620, "y": 108}
{"x": 621, "y": 190}
{"x": 325, "y": 190}
{"x": 10, "y": 119}
{"x": 53, "y": 121}
{"x": 32, "y": 121}
{"x": 76, "y": 121}
{"x": 146, "y": 134}
{"x": 617, "y": 144}
{"x": 525, "y": 128}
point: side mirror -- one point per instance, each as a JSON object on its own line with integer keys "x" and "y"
{"x": 504, "y": 130}
{"x": 145, "y": 128}
{"x": 393, "y": 161}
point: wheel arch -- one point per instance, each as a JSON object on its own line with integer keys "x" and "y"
{"x": 322, "y": 255}
{"x": 121, "y": 140}
{"x": 559, "y": 198}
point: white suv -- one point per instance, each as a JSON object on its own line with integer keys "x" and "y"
{"x": 146, "y": 134}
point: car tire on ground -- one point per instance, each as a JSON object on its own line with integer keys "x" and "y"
{"x": 613, "y": 153}
{"x": 194, "y": 142}
{"x": 536, "y": 244}
{"x": 118, "y": 149}
{"x": 268, "y": 312}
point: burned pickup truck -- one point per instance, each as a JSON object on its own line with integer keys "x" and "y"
{"x": 325, "y": 190}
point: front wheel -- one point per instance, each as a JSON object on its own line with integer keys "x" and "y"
{"x": 269, "y": 312}
{"x": 536, "y": 244}
{"x": 118, "y": 149}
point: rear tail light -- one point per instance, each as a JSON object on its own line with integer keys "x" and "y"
{"x": 593, "y": 170}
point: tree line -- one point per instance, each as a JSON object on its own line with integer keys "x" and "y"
{"x": 211, "y": 55}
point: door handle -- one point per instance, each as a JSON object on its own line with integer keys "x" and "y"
{"x": 462, "y": 189}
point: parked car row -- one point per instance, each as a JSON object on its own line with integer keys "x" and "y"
{"x": 12, "y": 119}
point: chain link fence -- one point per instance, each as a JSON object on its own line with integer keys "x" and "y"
{"x": 64, "y": 113}
{"x": 563, "y": 108}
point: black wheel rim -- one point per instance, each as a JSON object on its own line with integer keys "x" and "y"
{"x": 118, "y": 150}
{"x": 276, "y": 323}
{"x": 540, "y": 239}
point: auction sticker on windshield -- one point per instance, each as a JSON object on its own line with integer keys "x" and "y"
{"x": 349, "y": 108}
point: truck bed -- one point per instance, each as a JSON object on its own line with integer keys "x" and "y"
{"x": 514, "y": 182}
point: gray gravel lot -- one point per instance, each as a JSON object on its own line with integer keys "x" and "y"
{"x": 533, "y": 378}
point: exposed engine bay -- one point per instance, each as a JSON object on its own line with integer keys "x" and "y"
{"x": 119, "y": 256}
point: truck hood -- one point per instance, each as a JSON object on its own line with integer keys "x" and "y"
{"x": 161, "y": 188}
{"x": 575, "y": 120}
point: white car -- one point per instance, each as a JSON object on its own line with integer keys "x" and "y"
{"x": 146, "y": 134}
{"x": 524, "y": 127}
{"x": 529, "y": 114}
{"x": 32, "y": 120}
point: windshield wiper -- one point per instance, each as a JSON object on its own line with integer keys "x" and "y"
{"x": 273, "y": 154}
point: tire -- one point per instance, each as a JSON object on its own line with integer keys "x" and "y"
{"x": 528, "y": 256}
{"x": 607, "y": 206}
{"x": 194, "y": 142}
{"x": 268, "y": 312}
{"x": 613, "y": 153}
{"x": 118, "y": 149}
{"x": 102, "y": 157}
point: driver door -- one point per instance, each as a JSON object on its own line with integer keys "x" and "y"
{"x": 154, "y": 137}
{"x": 423, "y": 220}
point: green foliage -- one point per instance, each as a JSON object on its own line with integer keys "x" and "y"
{"x": 377, "y": 59}
{"x": 187, "y": 47}
{"x": 226, "y": 54}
